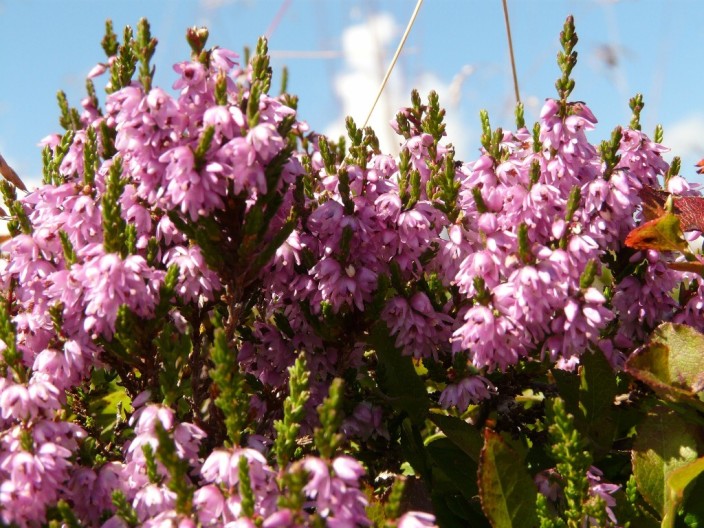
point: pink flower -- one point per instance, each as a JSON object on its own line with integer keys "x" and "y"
{"x": 469, "y": 390}
{"x": 107, "y": 282}
{"x": 413, "y": 519}
{"x": 266, "y": 142}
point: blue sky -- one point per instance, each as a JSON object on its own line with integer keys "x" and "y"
{"x": 337, "y": 50}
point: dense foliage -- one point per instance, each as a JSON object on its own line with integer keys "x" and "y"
{"x": 213, "y": 316}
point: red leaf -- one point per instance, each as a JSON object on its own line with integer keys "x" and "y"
{"x": 700, "y": 170}
{"x": 689, "y": 209}
{"x": 10, "y": 175}
{"x": 653, "y": 202}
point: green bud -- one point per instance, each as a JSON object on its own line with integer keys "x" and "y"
{"x": 588, "y": 275}
{"x": 658, "y": 134}
{"x": 573, "y": 203}
{"x": 519, "y": 113}
{"x": 69, "y": 252}
{"x": 245, "y": 487}
{"x": 204, "y": 143}
{"x": 524, "y": 250}
{"x": 479, "y": 200}
{"x": 284, "y": 80}
{"x": 67, "y": 515}
{"x": 537, "y": 144}
{"x": 483, "y": 295}
{"x": 486, "y": 130}
{"x": 109, "y": 42}
{"x": 636, "y": 104}
{"x": 196, "y": 38}
{"x": 91, "y": 159}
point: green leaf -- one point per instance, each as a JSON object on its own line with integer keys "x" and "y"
{"x": 105, "y": 402}
{"x": 677, "y": 483}
{"x": 597, "y": 390}
{"x": 413, "y": 449}
{"x": 672, "y": 364}
{"x": 664, "y": 443}
{"x": 452, "y": 470}
{"x": 568, "y": 387}
{"x": 397, "y": 376}
{"x": 506, "y": 490}
{"x": 463, "y": 435}
{"x": 691, "y": 514}
{"x": 453, "y": 483}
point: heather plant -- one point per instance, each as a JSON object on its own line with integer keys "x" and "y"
{"x": 213, "y": 316}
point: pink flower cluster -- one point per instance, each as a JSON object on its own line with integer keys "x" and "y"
{"x": 65, "y": 306}
{"x": 507, "y": 268}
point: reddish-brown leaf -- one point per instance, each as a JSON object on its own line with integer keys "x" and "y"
{"x": 689, "y": 209}
{"x": 653, "y": 202}
{"x": 10, "y": 175}
{"x": 700, "y": 170}
{"x": 662, "y": 234}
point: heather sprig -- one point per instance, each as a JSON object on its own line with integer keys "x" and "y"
{"x": 519, "y": 114}
{"x": 245, "y": 487}
{"x": 11, "y": 356}
{"x": 91, "y": 159}
{"x": 609, "y": 152}
{"x": 566, "y": 60}
{"x": 70, "y": 119}
{"x": 261, "y": 80}
{"x": 52, "y": 160}
{"x": 144, "y": 48}
{"x": 114, "y": 226}
{"x": 572, "y": 459}
{"x": 288, "y": 427}
{"x": 124, "y": 510}
{"x": 173, "y": 348}
{"x": 125, "y": 62}
{"x": 327, "y": 437}
{"x": 636, "y": 105}
{"x": 202, "y": 249}
{"x": 233, "y": 399}
{"x": 177, "y": 469}
{"x": 433, "y": 119}
{"x": 67, "y": 515}
{"x": 19, "y": 222}
{"x": 110, "y": 43}
{"x": 658, "y": 134}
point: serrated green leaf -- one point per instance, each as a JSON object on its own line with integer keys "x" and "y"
{"x": 664, "y": 443}
{"x": 677, "y": 483}
{"x": 103, "y": 407}
{"x": 506, "y": 490}
{"x": 672, "y": 363}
